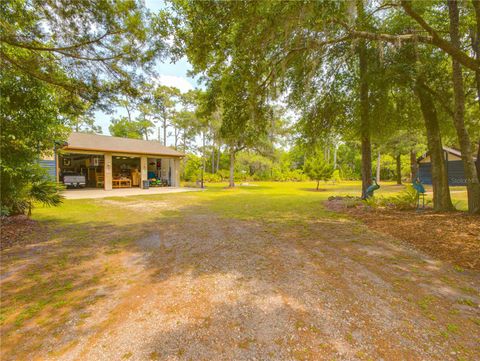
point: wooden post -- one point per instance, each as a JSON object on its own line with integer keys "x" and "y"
{"x": 176, "y": 172}
{"x": 57, "y": 167}
{"x": 108, "y": 171}
{"x": 144, "y": 170}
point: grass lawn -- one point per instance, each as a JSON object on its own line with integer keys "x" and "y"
{"x": 261, "y": 271}
{"x": 288, "y": 199}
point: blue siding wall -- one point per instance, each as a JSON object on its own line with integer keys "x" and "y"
{"x": 425, "y": 173}
{"x": 49, "y": 166}
{"x": 456, "y": 175}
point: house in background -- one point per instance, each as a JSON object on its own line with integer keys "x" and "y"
{"x": 455, "y": 170}
{"x": 100, "y": 161}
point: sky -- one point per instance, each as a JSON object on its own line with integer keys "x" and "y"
{"x": 170, "y": 74}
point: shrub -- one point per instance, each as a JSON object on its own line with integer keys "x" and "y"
{"x": 295, "y": 175}
{"x": 20, "y": 191}
{"x": 336, "y": 176}
{"x": 191, "y": 170}
{"x": 45, "y": 192}
{"x": 212, "y": 178}
{"x": 407, "y": 199}
{"x": 372, "y": 202}
{"x": 224, "y": 174}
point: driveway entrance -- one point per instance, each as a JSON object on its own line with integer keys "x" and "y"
{"x": 122, "y": 192}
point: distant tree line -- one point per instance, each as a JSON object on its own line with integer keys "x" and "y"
{"x": 370, "y": 83}
{"x": 368, "y": 72}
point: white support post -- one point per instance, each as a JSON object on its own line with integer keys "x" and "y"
{"x": 176, "y": 172}
{"x": 144, "y": 170}
{"x": 108, "y": 171}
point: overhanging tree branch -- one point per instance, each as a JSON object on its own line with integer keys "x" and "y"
{"x": 32, "y": 46}
{"x": 438, "y": 41}
{"x": 69, "y": 87}
{"x": 98, "y": 58}
{"x": 391, "y": 38}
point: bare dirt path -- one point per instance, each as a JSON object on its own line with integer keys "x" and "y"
{"x": 201, "y": 287}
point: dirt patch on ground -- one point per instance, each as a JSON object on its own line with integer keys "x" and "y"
{"x": 452, "y": 237}
{"x": 201, "y": 286}
{"x": 20, "y": 230}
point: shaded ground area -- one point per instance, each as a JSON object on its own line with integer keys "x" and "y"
{"x": 88, "y": 193}
{"x": 20, "y": 230}
{"x": 262, "y": 273}
{"x": 452, "y": 237}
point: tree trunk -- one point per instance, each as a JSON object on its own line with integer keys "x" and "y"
{"x": 413, "y": 165}
{"x": 399, "y": 169}
{"x": 478, "y": 161}
{"x": 476, "y": 44}
{"x": 318, "y": 184}
{"x": 128, "y": 113}
{"x": 365, "y": 122}
{"x": 366, "y": 164}
{"x": 165, "y": 132}
{"x": 218, "y": 159}
{"x": 335, "y": 156}
{"x": 364, "y": 108}
{"x": 441, "y": 190}
{"x": 203, "y": 158}
{"x": 473, "y": 185}
{"x": 379, "y": 158}
{"x": 476, "y": 49}
{"x": 213, "y": 159}
{"x": 231, "y": 183}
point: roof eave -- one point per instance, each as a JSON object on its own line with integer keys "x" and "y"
{"x": 67, "y": 148}
{"x": 446, "y": 150}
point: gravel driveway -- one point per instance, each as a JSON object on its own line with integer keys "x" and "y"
{"x": 201, "y": 287}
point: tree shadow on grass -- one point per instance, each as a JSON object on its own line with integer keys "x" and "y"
{"x": 48, "y": 285}
{"x": 243, "y": 331}
{"x": 315, "y": 190}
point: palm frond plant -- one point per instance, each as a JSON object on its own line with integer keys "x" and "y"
{"x": 45, "y": 192}
{"x": 22, "y": 188}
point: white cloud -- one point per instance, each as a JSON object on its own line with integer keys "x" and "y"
{"x": 175, "y": 81}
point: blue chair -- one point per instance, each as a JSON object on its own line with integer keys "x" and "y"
{"x": 417, "y": 184}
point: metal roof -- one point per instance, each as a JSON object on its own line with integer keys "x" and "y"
{"x": 446, "y": 150}
{"x": 105, "y": 143}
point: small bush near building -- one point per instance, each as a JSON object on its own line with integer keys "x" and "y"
{"x": 20, "y": 190}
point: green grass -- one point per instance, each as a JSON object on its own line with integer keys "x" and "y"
{"x": 466, "y": 302}
{"x": 269, "y": 200}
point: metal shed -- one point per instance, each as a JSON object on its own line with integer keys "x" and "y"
{"x": 455, "y": 170}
